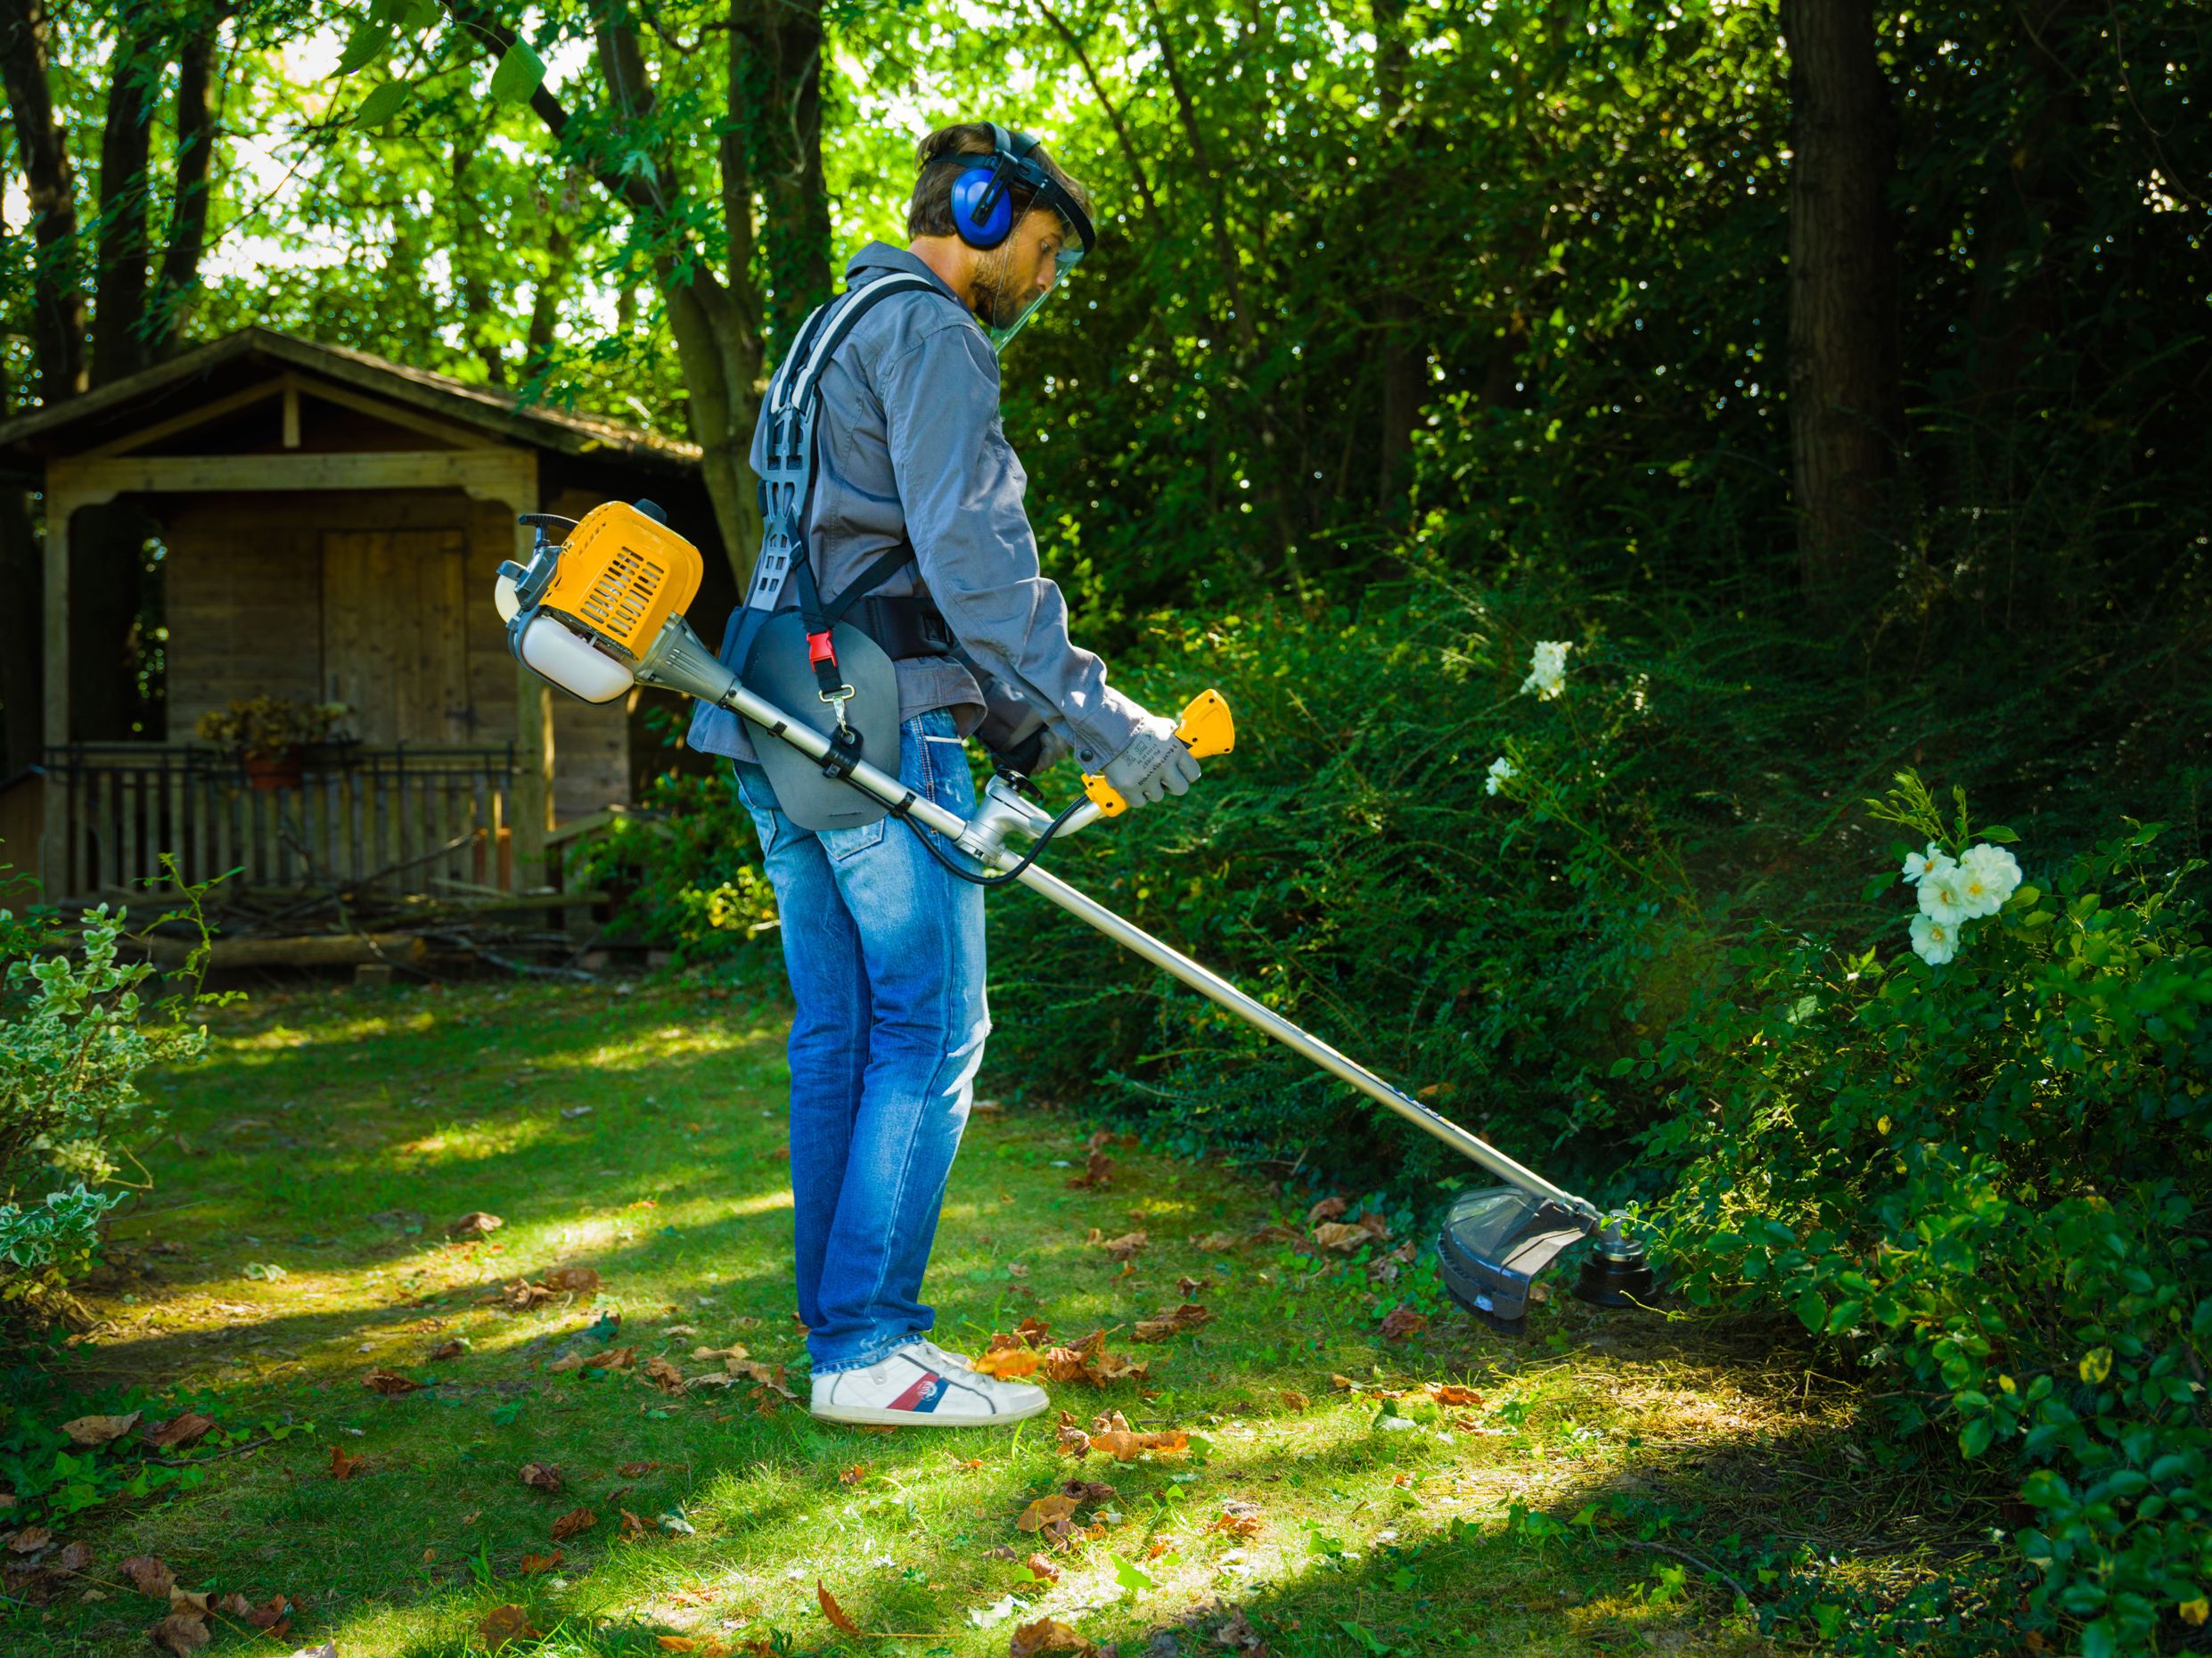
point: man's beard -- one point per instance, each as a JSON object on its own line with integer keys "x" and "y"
{"x": 997, "y": 301}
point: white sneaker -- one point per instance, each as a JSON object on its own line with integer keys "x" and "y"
{"x": 918, "y": 1387}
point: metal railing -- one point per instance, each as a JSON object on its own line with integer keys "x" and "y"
{"x": 408, "y": 817}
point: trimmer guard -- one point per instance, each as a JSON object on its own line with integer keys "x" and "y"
{"x": 1496, "y": 1242}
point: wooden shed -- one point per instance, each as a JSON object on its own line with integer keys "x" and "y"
{"x": 331, "y": 524}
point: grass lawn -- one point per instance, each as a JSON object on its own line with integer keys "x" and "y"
{"x": 1586, "y": 1493}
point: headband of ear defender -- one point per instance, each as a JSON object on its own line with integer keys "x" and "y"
{"x": 983, "y": 195}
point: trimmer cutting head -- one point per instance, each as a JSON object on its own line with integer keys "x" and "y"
{"x": 1497, "y": 1242}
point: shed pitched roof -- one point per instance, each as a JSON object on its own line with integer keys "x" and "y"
{"x": 235, "y": 360}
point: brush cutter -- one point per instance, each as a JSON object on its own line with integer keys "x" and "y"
{"x": 603, "y": 610}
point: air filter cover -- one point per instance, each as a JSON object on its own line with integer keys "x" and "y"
{"x": 622, "y": 575}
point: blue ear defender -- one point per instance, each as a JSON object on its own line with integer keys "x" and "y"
{"x": 983, "y": 207}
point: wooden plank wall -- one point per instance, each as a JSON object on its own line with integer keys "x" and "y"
{"x": 247, "y": 616}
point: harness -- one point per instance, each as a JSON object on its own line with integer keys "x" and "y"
{"x": 907, "y": 627}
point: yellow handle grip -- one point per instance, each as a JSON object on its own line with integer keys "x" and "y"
{"x": 1205, "y": 730}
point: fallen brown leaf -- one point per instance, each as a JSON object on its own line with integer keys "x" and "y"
{"x": 1336, "y": 1235}
{"x": 834, "y": 1613}
{"x": 73, "y": 1558}
{"x": 1089, "y": 1491}
{"x": 541, "y": 1476}
{"x": 1328, "y": 1208}
{"x": 1123, "y": 1247}
{"x": 178, "y": 1432}
{"x": 573, "y": 1280}
{"x": 1237, "y": 1635}
{"x": 1123, "y": 1445}
{"x": 1452, "y": 1393}
{"x": 1240, "y": 1520}
{"x": 1402, "y": 1322}
{"x": 537, "y": 1565}
{"x": 1097, "y": 1173}
{"x": 664, "y": 1376}
{"x": 567, "y": 1362}
{"x": 100, "y": 1430}
{"x": 522, "y": 1294}
{"x": 342, "y": 1467}
{"x": 1216, "y": 1242}
{"x": 388, "y": 1383}
{"x": 448, "y": 1349}
{"x": 475, "y": 1224}
{"x": 614, "y": 1358}
{"x": 575, "y": 1521}
{"x": 636, "y": 1470}
{"x": 1039, "y": 1566}
{"x": 1162, "y": 1326}
{"x": 1294, "y": 1399}
{"x": 183, "y": 1632}
{"x": 1008, "y": 1363}
{"x": 1045, "y": 1510}
{"x": 1049, "y": 1635}
{"x": 31, "y": 1539}
{"x": 632, "y": 1528}
{"x": 148, "y": 1576}
{"x": 503, "y": 1624}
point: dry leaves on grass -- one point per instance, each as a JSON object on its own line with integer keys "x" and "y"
{"x": 31, "y": 1539}
{"x": 577, "y": 1520}
{"x": 537, "y": 1565}
{"x": 343, "y": 1466}
{"x": 1328, "y": 1208}
{"x": 475, "y": 1224}
{"x": 1042, "y": 1568}
{"x": 1121, "y": 1248}
{"x": 1089, "y": 1362}
{"x": 573, "y": 1280}
{"x": 1098, "y": 1173}
{"x": 503, "y": 1624}
{"x": 1162, "y": 1326}
{"x": 1049, "y": 1635}
{"x": 1401, "y": 1323}
{"x": 1216, "y": 1242}
{"x": 1239, "y": 1636}
{"x": 664, "y": 1376}
{"x": 1112, "y": 1434}
{"x": 1293, "y": 1399}
{"x": 1008, "y": 1363}
{"x": 1240, "y": 1519}
{"x": 634, "y": 1530}
{"x": 178, "y": 1432}
{"x": 391, "y": 1383}
{"x": 636, "y": 1470}
{"x": 1452, "y": 1393}
{"x": 541, "y": 1476}
{"x": 834, "y": 1613}
{"x": 452, "y": 1349}
{"x": 150, "y": 1576}
{"x": 100, "y": 1430}
{"x": 1045, "y": 1510}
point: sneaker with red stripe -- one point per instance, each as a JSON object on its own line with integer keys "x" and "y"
{"x": 921, "y": 1386}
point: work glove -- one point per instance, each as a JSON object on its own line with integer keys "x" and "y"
{"x": 1154, "y": 764}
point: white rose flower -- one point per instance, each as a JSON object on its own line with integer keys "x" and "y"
{"x": 1943, "y": 894}
{"x": 1991, "y": 876}
{"x": 1500, "y": 774}
{"x": 1918, "y": 864}
{"x": 1934, "y": 941}
{"x": 1547, "y": 674}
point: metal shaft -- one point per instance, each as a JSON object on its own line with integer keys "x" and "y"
{"x": 1204, "y": 981}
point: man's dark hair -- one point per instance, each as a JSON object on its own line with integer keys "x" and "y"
{"x": 930, "y": 212}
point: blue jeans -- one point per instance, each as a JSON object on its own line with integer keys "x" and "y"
{"x": 884, "y": 949}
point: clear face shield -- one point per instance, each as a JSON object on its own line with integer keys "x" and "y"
{"x": 1020, "y": 276}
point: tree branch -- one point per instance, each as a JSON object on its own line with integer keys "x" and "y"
{"x": 1113, "y": 115}
{"x": 188, "y": 210}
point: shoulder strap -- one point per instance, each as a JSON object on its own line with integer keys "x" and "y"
{"x": 792, "y": 403}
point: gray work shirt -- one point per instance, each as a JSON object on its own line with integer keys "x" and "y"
{"x": 909, "y": 447}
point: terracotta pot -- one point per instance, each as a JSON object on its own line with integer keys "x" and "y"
{"x": 274, "y": 771}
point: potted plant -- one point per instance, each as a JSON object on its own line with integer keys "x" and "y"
{"x": 267, "y": 734}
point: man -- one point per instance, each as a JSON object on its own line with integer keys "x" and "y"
{"x": 883, "y": 944}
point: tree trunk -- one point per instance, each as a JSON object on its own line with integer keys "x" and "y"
{"x": 22, "y": 629}
{"x": 1405, "y": 352}
{"x": 119, "y": 339}
{"x": 776, "y": 59}
{"x": 1844, "y": 393}
{"x": 50, "y": 182}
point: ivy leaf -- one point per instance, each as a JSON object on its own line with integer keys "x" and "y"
{"x": 368, "y": 43}
{"x": 520, "y": 71}
{"x": 383, "y": 102}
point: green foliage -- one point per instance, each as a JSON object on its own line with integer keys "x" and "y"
{"x": 684, "y": 874}
{"x": 1988, "y": 1175}
{"x": 77, "y": 1034}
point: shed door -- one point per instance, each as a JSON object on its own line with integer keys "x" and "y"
{"x": 394, "y": 646}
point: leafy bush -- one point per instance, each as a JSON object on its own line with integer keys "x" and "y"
{"x": 684, "y": 872}
{"x": 76, "y": 1035}
{"x": 1989, "y": 1173}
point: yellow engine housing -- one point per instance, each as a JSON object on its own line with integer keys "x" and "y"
{"x": 622, "y": 575}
